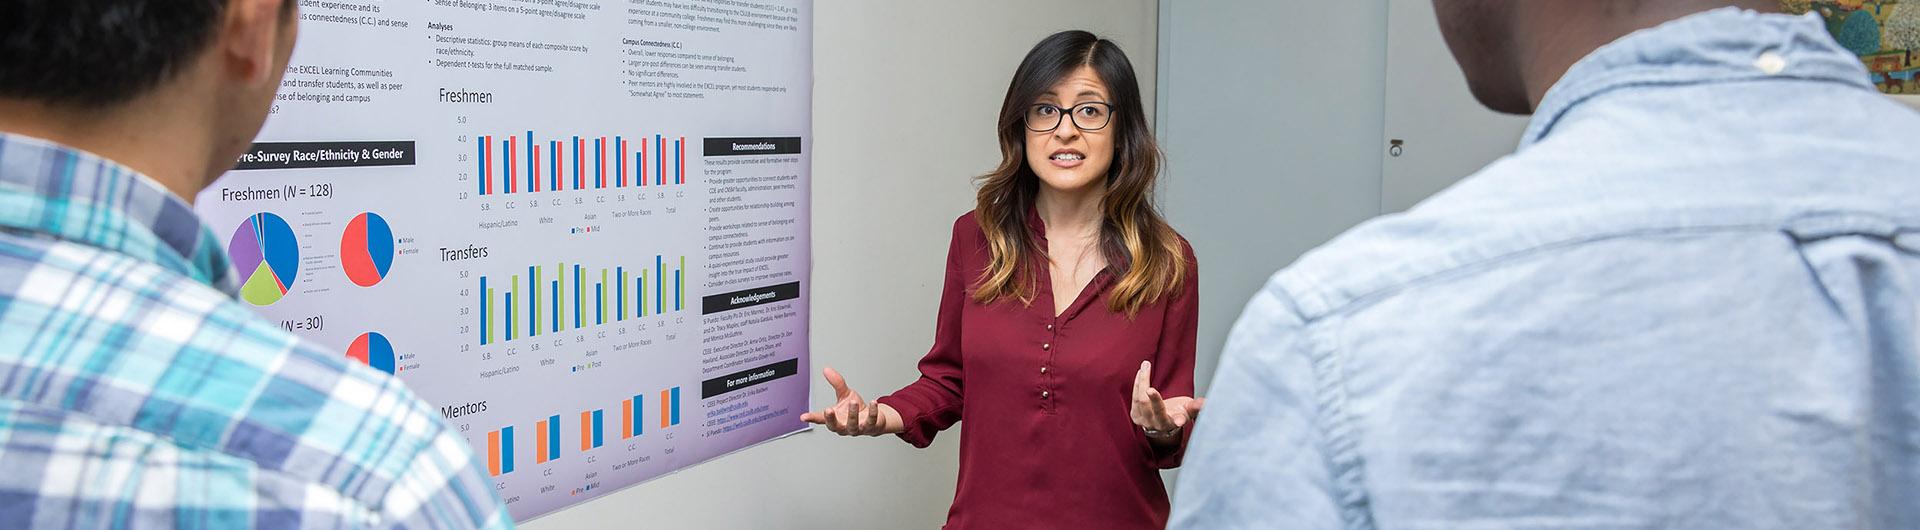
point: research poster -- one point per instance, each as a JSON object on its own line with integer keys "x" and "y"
{"x": 579, "y": 229}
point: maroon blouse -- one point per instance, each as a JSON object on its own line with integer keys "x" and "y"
{"x": 1049, "y": 442}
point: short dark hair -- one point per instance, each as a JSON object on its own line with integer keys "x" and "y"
{"x": 99, "y": 52}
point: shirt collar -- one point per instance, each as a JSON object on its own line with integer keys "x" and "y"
{"x": 1036, "y": 225}
{"x": 73, "y": 195}
{"x": 1718, "y": 46}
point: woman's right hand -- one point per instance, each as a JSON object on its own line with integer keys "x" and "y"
{"x": 852, "y": 415}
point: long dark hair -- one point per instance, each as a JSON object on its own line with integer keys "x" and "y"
{"x": 1146, "y": 254}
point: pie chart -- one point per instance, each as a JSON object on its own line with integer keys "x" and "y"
{"x": 366, "y": 250}
{"x": 267, "y": 256}
{"x": 372, "y": 349}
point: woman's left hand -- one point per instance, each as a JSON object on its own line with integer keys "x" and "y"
{"x": 1156, "y": 414}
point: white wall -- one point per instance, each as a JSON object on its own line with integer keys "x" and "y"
{"x": 1448, "y": 135}
{"x": 905, "y": 99}
{"x": 1271, "y": 119}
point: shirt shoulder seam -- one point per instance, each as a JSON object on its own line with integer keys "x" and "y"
{"x": 1315, "y": 301}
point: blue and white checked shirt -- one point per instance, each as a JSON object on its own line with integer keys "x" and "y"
{"x": 1690, "y": 300}
{"x": 136, "y": 392}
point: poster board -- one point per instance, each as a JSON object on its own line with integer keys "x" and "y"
{"x": 578, "y": 229}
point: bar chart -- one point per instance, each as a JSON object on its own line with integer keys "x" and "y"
{"x": 546, "y": 444}
{"x": 593, "y": 434}
{"x": 500, "y": 451}
{"x": 591, "y": 429}
{"x": 632, "y": 416}
{"x": 532, "y": 163}
{"x": 576, "y": 297}
{"x": 669, "y": 407}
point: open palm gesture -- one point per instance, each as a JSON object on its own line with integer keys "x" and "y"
{"x": 852, "y": 415}
{"x": 1156, "y": 414}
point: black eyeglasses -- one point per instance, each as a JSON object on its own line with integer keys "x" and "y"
{"x": 1089, "y": 116}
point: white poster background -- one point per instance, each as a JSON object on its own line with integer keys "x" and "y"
{"x": 438, "y": 77}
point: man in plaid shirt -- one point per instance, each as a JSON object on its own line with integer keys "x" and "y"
{"x": 135, "y": 391}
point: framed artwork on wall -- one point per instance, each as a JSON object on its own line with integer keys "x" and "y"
{"x": 1884, "y": 33}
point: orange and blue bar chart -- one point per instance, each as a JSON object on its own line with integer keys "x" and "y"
{"x": 591, "y": 429}
{"x": 500, "y": 451}
{"x": 669, "y": 407}
{"x": 631, "y": 417}
{"x": 547, "y": 440}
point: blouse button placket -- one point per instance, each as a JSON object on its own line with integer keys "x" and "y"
{"x": 1046, "y": 362}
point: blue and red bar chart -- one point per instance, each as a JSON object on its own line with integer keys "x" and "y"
{"x": 530, "y": 163}
{"x": 592, "y": 297}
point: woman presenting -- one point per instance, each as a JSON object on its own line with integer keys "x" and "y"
{"x": 1069, "y": 310}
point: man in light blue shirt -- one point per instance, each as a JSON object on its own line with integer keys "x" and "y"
{"x": 1687, "y": 301}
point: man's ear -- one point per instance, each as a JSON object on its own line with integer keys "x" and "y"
{"x": 249, "y": 37}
